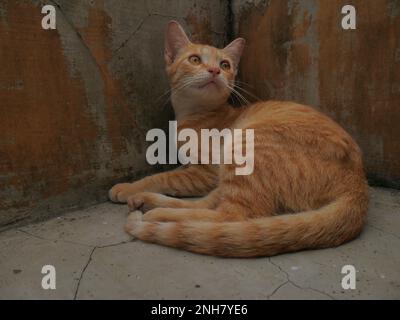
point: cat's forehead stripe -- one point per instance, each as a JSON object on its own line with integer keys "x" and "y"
{"x": 205, "y": 50}
{"x": 209, "y": 54}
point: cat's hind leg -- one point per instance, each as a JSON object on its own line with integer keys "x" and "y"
{"x": 161, "y": 215}
{"x": 180, "y": 215}
{"x": 209, "y": 208}
{"x": 190, "y": 181}
{"x": 146, "y": 201}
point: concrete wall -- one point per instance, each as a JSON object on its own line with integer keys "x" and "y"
{"x": 76, "y": 102}
{"x": 298, "y": 50}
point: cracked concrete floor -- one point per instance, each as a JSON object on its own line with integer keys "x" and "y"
{"x": 95, "y": 259}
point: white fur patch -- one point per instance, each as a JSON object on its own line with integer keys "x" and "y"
{"x": 205, "y": 50}
{"x": 134, "y": 223}
{"x": 205, "y": 55}
{"x": 165, "y": 231}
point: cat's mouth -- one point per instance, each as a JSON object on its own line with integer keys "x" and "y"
{"x": 210, "y": 82}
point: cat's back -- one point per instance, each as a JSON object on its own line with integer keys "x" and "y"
{"x": 286, "y": 122}
{"x": 281, "y": 113}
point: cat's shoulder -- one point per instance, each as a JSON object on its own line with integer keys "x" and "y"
{"x": 281, "y": 108}
{"x": 281, "y": 105}
{"x": 285, "y": 113}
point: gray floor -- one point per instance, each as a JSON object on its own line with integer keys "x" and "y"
{"x": 95, "y": 259}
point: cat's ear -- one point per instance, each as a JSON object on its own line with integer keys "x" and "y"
{"x": 235, "y": 50}
{"x": 175, "y": 40}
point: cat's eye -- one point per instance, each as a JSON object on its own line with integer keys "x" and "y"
{"x": 195, "y": 59}
{"x": 225, "y": 65}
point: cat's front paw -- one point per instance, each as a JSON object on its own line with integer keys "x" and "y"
{"x": 143, "y": 201}
{"x": 120, "y": 192}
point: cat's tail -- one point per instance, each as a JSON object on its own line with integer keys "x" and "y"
{"x": 329, "y": 226}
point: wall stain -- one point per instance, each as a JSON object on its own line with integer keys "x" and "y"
{"x": 120, "y": 117}
{"x": 298, "y": 51}
{"x": 43, "y": 116}
{"x": 73, "y": 109}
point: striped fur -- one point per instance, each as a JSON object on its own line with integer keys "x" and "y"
{"x": 308, "y": 189}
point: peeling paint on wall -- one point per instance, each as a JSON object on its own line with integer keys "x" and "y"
{"x": 298, "y": 51}
{"x": 75, "y": 102}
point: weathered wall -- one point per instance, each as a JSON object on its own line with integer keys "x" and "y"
{"x": 298, "y": 50}
{"x": 76, "y": 102}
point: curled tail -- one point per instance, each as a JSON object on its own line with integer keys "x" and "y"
{"x": 334, "y": 224}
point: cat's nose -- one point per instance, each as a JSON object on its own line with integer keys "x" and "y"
{"x": 214, "y": 70}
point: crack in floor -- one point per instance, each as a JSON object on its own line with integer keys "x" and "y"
{"x": 288, "y": 280}
{"x": 83, "y": 272}
{"x": 94, "y": 248}
{"x": 115, "y": 244}
{"x": 52, "y": 240}
{"x": 90, "y": 260}
{"x": 277, "y": 289}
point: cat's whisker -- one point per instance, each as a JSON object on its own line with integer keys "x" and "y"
{"x": 162, "y": 95}
{"x": 239, "y": 98}
{"x": 238, "y": 94}
{"x": 186, "y": 82}
{"x": 238, "y": 84}
{"x": 172, "y": 88}
{"x": 247, "y": 92}
{"x": 246, "y": 102}
{"x": 198, "y": 79}
{"x": 244, "y": 83}
{"x": 234, "y": 92}
{"x": 235, "y": 99}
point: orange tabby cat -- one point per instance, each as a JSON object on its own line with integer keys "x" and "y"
{"x": 308, "y": 189}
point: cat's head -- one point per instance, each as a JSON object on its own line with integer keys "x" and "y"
{"x": 202, "y": 73}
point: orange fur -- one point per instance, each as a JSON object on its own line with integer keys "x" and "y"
{"x": 308, "y": 189}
